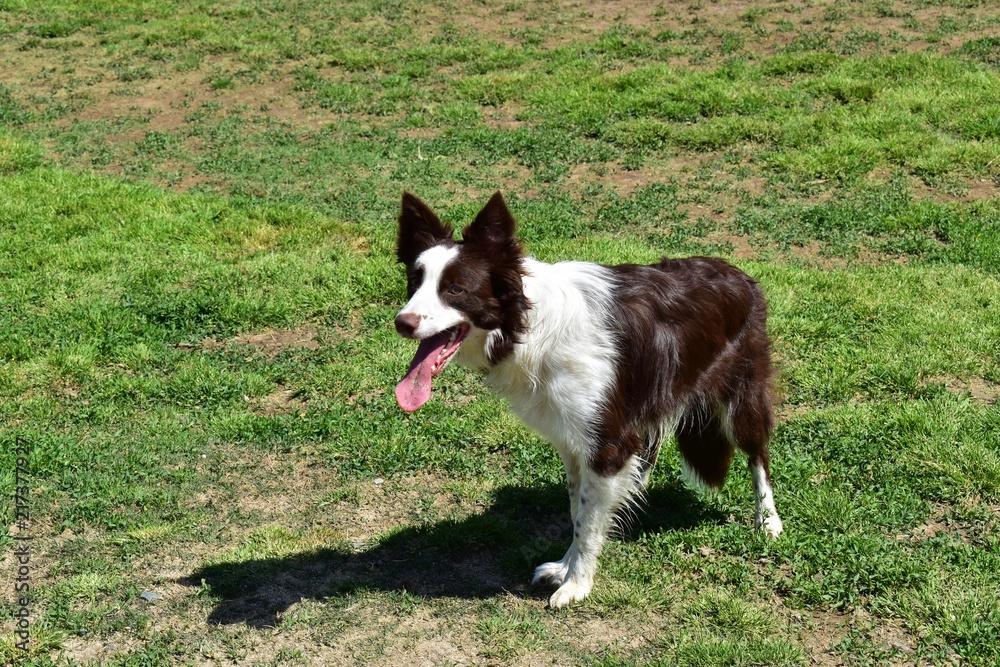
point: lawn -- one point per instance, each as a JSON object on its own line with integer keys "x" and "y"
{"x": 197, "y": 286}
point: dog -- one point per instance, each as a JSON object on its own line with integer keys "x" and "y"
{"x": 603, "y": 361}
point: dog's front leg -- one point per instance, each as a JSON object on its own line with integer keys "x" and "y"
{"x": 554, "y": 573}
{"x": 599, "y": 499}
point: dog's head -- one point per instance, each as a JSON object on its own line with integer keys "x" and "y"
{"x": 455, "y": 288}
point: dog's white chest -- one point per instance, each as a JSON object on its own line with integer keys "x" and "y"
{"x": 559, "y": 376}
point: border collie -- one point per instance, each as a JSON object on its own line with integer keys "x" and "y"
{"x": 604, "y": 361}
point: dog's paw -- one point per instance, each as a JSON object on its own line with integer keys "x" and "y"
{"x": 550, "y": 574}
{"x": 772, "y": 526}
{"x": 568, "y": 593}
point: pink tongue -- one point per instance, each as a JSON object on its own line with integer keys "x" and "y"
{"x": 415, "y": 389}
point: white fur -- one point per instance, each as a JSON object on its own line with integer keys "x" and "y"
{"x": 558, "y": 378}
{"x": 435, "y": 316}
{"x": 765, "y": 514}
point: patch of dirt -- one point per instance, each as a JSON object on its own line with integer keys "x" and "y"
{"x": 162, "y": 100}
{"x": 270, "y": 343}
{"x": 301, "y": 493}
{"x": 192, "y": 181}
{"x": 690, "y": 164}
{"x": 929, "y": 529}
{"x": 813, "y": 255}
{"x": 435, "y": 650}
{"x": 280, "y": 402}
{"x": 754, "y": 185}
{"x": 503, "y": 117}
{"x": 760, "y": 29}
{"x": 719, "y": 213}
{"x": 959, "y": 190}
{"x": 513, "y": 177}
{"x": 981, "y": 390}
{"x": 981, "y": 188}
{"x": 69, "y": 391}
{"x": 368, "y": 632}
{"x": 273, "y": 342}
{"x": 87, "y": 651}
{"x": 163, "y": 106}
{"x": 382, "y": 523}
{"x": 984, "y": 391}
{"x": 420, "y": 133}
{"x": 282, "y": 486}
{"x": 821, "y": 632}
{"x": 626, "y": 181}
{"x": 381, "y": 505}
{"x": 943, "y": 521}
{"x": 598, "y": 635}
{"x": 742, "y": 248}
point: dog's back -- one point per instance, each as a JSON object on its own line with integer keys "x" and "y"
{"x": 695, "y": 357}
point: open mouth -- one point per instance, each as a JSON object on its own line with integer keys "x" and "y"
{"x": 455, "y": 337}
{"x": 433, "y": 354}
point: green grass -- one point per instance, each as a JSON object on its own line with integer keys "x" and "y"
{"x": 197, "y": 282}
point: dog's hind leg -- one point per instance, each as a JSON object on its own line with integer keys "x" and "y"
{"x": 601, "y": 497}
{"x": 765, "y": 514}
{"x": 750, "y": 421}
{"x": 707, "y": 440}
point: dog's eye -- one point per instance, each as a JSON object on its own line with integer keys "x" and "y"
{"x": 455, "y": 290}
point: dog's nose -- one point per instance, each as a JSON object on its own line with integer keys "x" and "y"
{"x": 406, "y": 324}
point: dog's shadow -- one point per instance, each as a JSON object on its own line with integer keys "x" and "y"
{"x": 480, "y": 556}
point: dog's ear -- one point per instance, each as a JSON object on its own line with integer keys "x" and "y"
{"x": 419, "y": 229}
{"x": 492, "y": 233}
{"x": 493, "y": 228}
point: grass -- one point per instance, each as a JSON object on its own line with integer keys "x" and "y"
{"x": 196, "y": 238}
